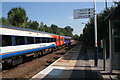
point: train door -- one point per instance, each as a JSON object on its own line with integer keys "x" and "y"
{"x": 62, "y": 40}
{"x": 59, "y": 41}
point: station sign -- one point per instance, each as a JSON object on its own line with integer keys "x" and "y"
{"x": 84, "y": 13}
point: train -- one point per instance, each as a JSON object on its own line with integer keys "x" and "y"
{"x": 18, "y": 43}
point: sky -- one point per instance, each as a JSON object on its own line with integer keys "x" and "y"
{"x": 58, "y": 13}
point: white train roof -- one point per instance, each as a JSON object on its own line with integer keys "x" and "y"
{"x": 24, "y": 29}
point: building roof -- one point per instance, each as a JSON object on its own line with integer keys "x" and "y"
{"x": 115, "y": 14}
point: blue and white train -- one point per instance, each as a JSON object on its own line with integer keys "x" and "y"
{"x": 17, "y": 43}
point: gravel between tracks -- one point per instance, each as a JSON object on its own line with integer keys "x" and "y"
{"x": 29, "y": 69}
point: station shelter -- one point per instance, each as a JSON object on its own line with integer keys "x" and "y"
{"x": 114, "y": 38}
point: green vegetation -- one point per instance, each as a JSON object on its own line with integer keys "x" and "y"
{"x": 76, "y": 37}
{"x": 118, "y": 3}
{"x": 102, "y": 29}
{"x": 4, "y": 21}
{"x": 17, "y": 17}
{"x": 88, "y": 31}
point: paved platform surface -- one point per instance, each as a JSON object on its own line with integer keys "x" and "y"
{"x": 77, "y": 64}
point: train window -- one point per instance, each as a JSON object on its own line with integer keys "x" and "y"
{"x": 52, "y": 39}
{"x": 20, "y": 40}
{"x": 43, "y": 40}
{"x": 0, "y": 40}
{"x": 30, "y": 40}
{"x": 55, "y": 40}
{"x": 38, "y": 40}
{"x": 65, "y": 39}
{"x": 6, "y": 40}
{"x": 61, "y": 39}
{"x": 48, "y": 40}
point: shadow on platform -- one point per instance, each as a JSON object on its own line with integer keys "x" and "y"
{"x": 85, "y": 54}
{"x": 76, "y": 74}
{"x": 57, "y": 74}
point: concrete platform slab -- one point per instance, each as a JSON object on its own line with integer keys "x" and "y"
{"x": 77, "y": 64}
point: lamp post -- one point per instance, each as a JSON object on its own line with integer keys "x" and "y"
{"x": 96, "y": 45}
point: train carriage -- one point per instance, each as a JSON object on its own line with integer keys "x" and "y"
{"x": 17, "y": 42}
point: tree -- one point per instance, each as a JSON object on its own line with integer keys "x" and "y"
{"x": 25, "y": 24}
{"x": 62, "y": 31}
{"x": 17, "y": 16}
{"x": 118, "y": 3}
{"x": 4, "y": 21}
{"x": 69, "y": 30}
{"x": 54, "y": 28}
{"x": 81, "y": 37}
{"x": 42, "y": 27}
{"x": 46, "y": 28}
{"x": 34, "y": 25}
{"x": 76, "y": 37}
{"x": 41, "y": 24}
{"x": 102, "y": 29}
{"x": 49, "y": 30}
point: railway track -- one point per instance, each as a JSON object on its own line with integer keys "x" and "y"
{"x": 28, "y": 69}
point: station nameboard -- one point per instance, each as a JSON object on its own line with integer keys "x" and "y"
{"x": 84, "y": 13}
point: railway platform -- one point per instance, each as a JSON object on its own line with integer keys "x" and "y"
{"x": 76, "y": 64}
